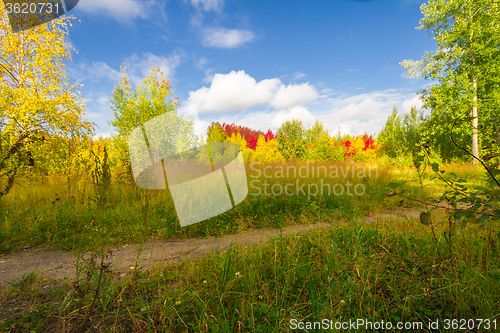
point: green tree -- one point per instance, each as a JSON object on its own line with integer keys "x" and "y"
{"x": 291, "y": 141}
{"x": 466, "y": 63}
{"x": 413, "y": 126}
{"x": 319, "y": 143}
{"x": 215, "y": 133}
{"x": 152, "y": 98}
{"x": 400, "y": 135}
{"x": 391, "y": 138}
{"x": 36, "y": 101}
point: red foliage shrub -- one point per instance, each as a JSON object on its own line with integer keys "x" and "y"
{"x": 250, "y": 136}
{"x": 369, "y": 142}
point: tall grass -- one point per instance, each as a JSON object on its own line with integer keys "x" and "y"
{"x": 61, "y": 211}
{"x": 391, "y": 271}
{"x": 348, "y": 272}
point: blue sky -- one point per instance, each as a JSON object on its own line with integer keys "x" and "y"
{"x": 255, "y": 63}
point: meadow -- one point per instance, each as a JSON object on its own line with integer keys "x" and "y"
{"x": 396, "y": 271}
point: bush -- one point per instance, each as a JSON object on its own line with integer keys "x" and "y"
{"x": 319, "y": 144}
{"x": 400, "y": 136}
{"x": 239, "y": 140}
{"x": 290, "y": 138}
{"x": 267, "y": 151}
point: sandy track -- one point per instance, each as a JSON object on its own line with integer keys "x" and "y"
{"x": 57, "y": 264}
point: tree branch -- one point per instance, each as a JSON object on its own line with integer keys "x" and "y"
{"x": 459, "y": 209}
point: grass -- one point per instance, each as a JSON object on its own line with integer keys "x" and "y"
{"x": 25, "y": 281}
{"x": 391, "y": 271}
{"x": 61, "y": 213}
{"x": 345, "y": 272}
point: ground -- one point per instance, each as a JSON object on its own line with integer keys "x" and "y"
{"x": 58, "y": 264}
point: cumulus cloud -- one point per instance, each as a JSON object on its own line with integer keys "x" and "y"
{"x": 355, "y": 115}
{"x": 233, "y": 92}
{"x": 120, "y": 10}
{"x": 226, "y": 38}
{"x": 409, "y": 103}
{"x": 296, "y": 112}
{"x": 366, "y": 112}
{"x": 292, "y": 95}
{"x": 237, "y": 97}
{"x": 238, "y": 91}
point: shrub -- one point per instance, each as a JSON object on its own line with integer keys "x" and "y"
{"x": 400, "y": 136}
{"x": 319, "y": 144}
{"x": 215, "y": 133}
{"x": 238, "y": 139}
{"x": 267, "y": 151}
{"x": 290, "y": 138}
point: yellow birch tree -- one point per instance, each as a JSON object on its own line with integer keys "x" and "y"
{"x": 36, "y": 100}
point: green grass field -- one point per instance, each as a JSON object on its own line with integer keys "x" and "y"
{"x": 63, "y": 212}
{"x": 392, "y": 271}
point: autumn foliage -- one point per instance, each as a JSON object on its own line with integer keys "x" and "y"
{"x": 250, "y": 136}
{"x": 314, "y": 143}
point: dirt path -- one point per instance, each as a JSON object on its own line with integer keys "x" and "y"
{"x": 57, "y": 264}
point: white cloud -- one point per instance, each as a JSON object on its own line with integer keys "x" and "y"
{"x": 96, "y": 71}
{"x": 292, "y": 95}
{"x": 209, "y": 75}
{"x": 409, "y": 103}
{"x": 208, "y": 5}
{"x": 298, "y": 75}
{"x": 236, "y": 97}
{"x": 355, "y": 115}
{"x": 226, "y": 38}
{"x": 296, "y": 112}
{"x": 365, "y": 113}
{"x": 120, "y": 10}
{"x": 98, "y": 109}
{"x": 100, "y": 70}
{"x": 326, "y": 92}
{"x": 202, "y": 62}
{"x": 233, "y": 92}
{"x": 238, "y": 91}
{"x": 139, "y": 67}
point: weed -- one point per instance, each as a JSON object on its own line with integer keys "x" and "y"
{"x": 25, "y": 281}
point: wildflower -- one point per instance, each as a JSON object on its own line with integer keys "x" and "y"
{"x": 342, "y": 301}
{"x": 178, "y": 303}
{"x": 260, "y": 297}
{"x": 238, "y": 275}
{"x": 204, "y": 281}
{"x": 425, "y": 145}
